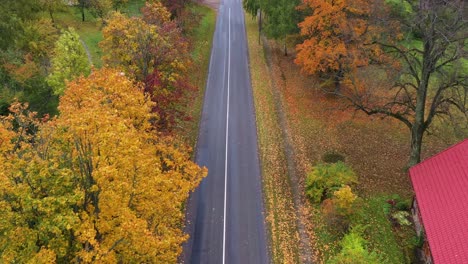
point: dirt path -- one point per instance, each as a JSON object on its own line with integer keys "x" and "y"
{"x": 88, "y": 54}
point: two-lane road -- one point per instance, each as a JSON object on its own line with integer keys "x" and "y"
{"x": 225, "y": 218}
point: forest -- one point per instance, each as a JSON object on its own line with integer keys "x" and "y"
{"x": 94, "y": 95}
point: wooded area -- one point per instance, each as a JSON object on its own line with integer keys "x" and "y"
{"x": 416, "y": 48}
{"x": 91, "y": 166}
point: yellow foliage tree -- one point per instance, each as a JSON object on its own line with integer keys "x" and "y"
{"x": 344, "y": 199}
{"x": 97, "y": 184}
{"x": 152, "y": 50}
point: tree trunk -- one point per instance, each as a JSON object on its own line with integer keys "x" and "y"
{"x": 285, "y": 48}
{"x": 51, "y": 16}
{"x": 418, "y": 128}
{"x": 82, "y": 12}
{"x": 417, "y": 133}
{"x": 337, "y": 80}
{"x": 419, "y": 125}
{"x": 259, "y": 26}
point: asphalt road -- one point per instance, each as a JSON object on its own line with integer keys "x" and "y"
{"x": 225, "y": 218}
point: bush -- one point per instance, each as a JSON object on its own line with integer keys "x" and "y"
{"x": 337, "y": 223}
{"x": 332, "y": 157}
{"x": 401, "y": 217}
{"x": 354, "y": 251}
{"x": 344, "y": 199}
{"x": 403, "y": 205}
{"x": 325, "y": 179}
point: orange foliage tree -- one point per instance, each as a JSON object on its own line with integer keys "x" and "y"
{"x": 96, "y": 184}
{"x": 335, "y": 33}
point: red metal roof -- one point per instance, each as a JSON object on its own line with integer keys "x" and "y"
{"x": 441, "y": 187}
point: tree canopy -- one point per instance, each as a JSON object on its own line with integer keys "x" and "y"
{"x": 153, "y": 51}
{"x": 97, "y": 183}
{"x": 68, "y": 62}
{"x": 336, "y": 33}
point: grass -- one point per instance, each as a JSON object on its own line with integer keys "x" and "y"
{"x": 393, "y": 244}
{"x": 92, "y": 39}
{"x": 280, "y": 213}
{"x": 133, "y": 8}
{"x": 201, "y": 39}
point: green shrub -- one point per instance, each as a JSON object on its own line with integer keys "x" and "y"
{"x": 403, "y": 205}
{"x": 332, "y": 157}
{"x": 324, "y": 179}
{"x": 401, "y": 217}
{"x": 396, "y": 203}
{"x": 354, "y": 251}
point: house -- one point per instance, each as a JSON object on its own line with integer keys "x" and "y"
{"x": 440, "y": 207}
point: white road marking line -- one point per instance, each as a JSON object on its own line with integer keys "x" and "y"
{"x": 227, "y": 136}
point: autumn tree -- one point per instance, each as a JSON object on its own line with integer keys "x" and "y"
{"x": 335, "y": 35}
{"x": 175, "y": 7}
{"x": 69, "y": 61}
{"x": 153, "y": 51}
{"x": 96, "y": 184}
{"x": 26, "y": 43}
{"x": 118, "y": 4}
{"x": 432, "y": 79}
{"x": 100, "y": 8}
{"x": 52, "y": 6}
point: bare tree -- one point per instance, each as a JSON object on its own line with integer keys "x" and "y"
{"x": 432, "y": 79}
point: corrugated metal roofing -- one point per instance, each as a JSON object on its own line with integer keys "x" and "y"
{"x": 441, "y": 187}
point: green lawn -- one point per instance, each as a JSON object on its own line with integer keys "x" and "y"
{"x": 133, "y": 7}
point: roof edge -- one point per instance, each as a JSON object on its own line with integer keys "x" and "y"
{"x": 438, "y": 154}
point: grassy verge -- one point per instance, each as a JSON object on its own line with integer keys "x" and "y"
{"x": 280, "y": 214}
{"x": 201, "y": 40}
